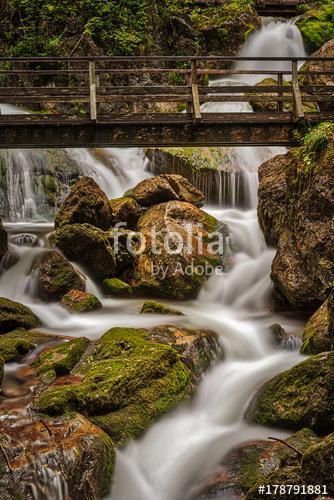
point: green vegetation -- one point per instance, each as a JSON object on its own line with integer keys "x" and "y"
{"x": 16, "y": 344}
{"x": 317, "y": 24}
{"x": 61, "y": 359}
{"x": 153, "y": 307}
{"x": 115, "y": 286}
{"x": 15, "y": 315}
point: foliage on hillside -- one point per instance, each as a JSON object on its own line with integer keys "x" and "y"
{"x": 317, "y": 24}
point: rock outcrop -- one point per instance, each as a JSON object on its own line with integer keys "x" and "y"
{"x": 15, "y": 315}
{"x": 85, "y": 204}
{"x": 300, "y": 397}
{"x": 318, "y": 335}
{"x": 125, "y": 211}
{"x": 77, "y": 301}
{"x": 296, "y": 212}
{"x": 56, "y": 276}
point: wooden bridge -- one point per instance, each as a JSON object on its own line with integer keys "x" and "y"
{"x": 152, "y": 101}
{"x": 284, "y": 8}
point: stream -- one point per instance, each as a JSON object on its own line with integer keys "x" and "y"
{"x": 174, "y": 457}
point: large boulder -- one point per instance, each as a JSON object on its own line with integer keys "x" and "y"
{"x": 56, "y": 276}
{"x": 16, "y": 344}
{"x": 166, "y": 187}
{"x": 3, "y": 241}
{"x": 15, "y": 315}
{"x": 130, "y": 377}
{"x": 176, "y": 251}
{"x": 89, "y": 246}
{"x": 273, "y": 197}
{"x": 318, "y": 336}
{"x": 86, "y": 203}
{"x": 300, "y": 220}
{"x": 301, "y": 396}
{"x": 316, "y": 23}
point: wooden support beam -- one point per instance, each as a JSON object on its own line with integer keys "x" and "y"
{"x": 92, "y": 90}
{"x": 194, "y": 91}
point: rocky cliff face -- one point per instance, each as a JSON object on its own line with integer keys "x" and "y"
{"x": 296, "y": 212}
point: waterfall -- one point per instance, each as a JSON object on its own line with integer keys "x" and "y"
{"x": 174, "y": 456}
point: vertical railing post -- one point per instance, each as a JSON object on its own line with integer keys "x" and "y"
{"x": 297, "y": 104}
{"x": 189, "y": 82}
{"x": 194, "y": 91}
{"x": 280, "y": 107}
{"x": 92, "y": 90}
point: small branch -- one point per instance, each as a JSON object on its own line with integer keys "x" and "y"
{"x": 288, "y": 445}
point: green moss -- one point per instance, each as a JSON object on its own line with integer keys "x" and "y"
{"x": 116, "y": 286}
{"x": 317, "y": 24}
{"x": 124, "y": 374}
{"x": 61, "y": 359}
{"x": 301, "y": 396}
{"x": 318, "y": 463}
{"x": 315, "y": 336}
{"x": 153, "y": 307}
{"x": 15, "y": 315}
{"x": 16, "y": 344}
{"x": 80, "y": 302}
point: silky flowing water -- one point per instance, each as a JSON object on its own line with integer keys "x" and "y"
{"x": 173, "y": 458}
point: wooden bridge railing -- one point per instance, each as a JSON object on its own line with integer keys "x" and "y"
{"x": 161, "y": 87}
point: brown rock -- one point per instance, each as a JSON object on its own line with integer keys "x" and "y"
{"x": 86, "y": 203}
{"x": 78, "y": 302}
{"x": 125, "y": 210}
{"x": 56, "y": 276}
{"x": 169, "y": 269}
{"x": 167, "y": 187}
{"x": 317, "y": 336}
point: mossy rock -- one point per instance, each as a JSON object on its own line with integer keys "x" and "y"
{"x": 60, "y": 360}
{"x": 87, "y": 245}
{"x": 318, "y": 464}
{"x": 301, "y": 396}
{"x": 115, "y": 286}
{"x": 153, "y": 307}
{"x": 80, "y": 302}
{"x": 16, "y": 344}
{"x": 85, "y": 204}
{"x": 127, "y": 382}
{"x": 316, "y": 336}
{"x": 317, "y": 22}
{"x": 15, "y": 315}
{"x": 56, "y": 276}
{"x": 2, "y": 369}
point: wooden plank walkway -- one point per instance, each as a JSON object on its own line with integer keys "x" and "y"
{"x": 160, "y": 101}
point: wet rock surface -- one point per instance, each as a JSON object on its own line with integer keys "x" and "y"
{"x": 56, "y": 276}
{"x": 77, "y": 301}
{"x": 15, "y": 315}
{"x": 318, "y": 335}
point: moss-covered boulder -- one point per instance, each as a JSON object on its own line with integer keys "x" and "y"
{"x": 128, "y": 378}
{"x": 60, "y": 360}
{"x": 86, "y": 203}
{"x": 301, "y": 396}
{"x": 317, "y": 22}
{"x": 3, "y": 241}
{"x": 56, "y": 276}
{"x": 115, "y": 286}
{"x": 181, "y": 245}
{"x": 15, "y": 315}
{"x": 153, "y": 307}
{"x": 318, "y": 464}
{"x": 125, "y": 211}
{"x": 257, "y": 462}
{"x": 16, "y": 344}
{"x": 79, "y": 302}
{"x": 166, "y": 187}
{"x": 89, "y": 246}
{"x": 317, "y": 336}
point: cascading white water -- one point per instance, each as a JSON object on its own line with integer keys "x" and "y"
{"x": 177, "y": 452}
